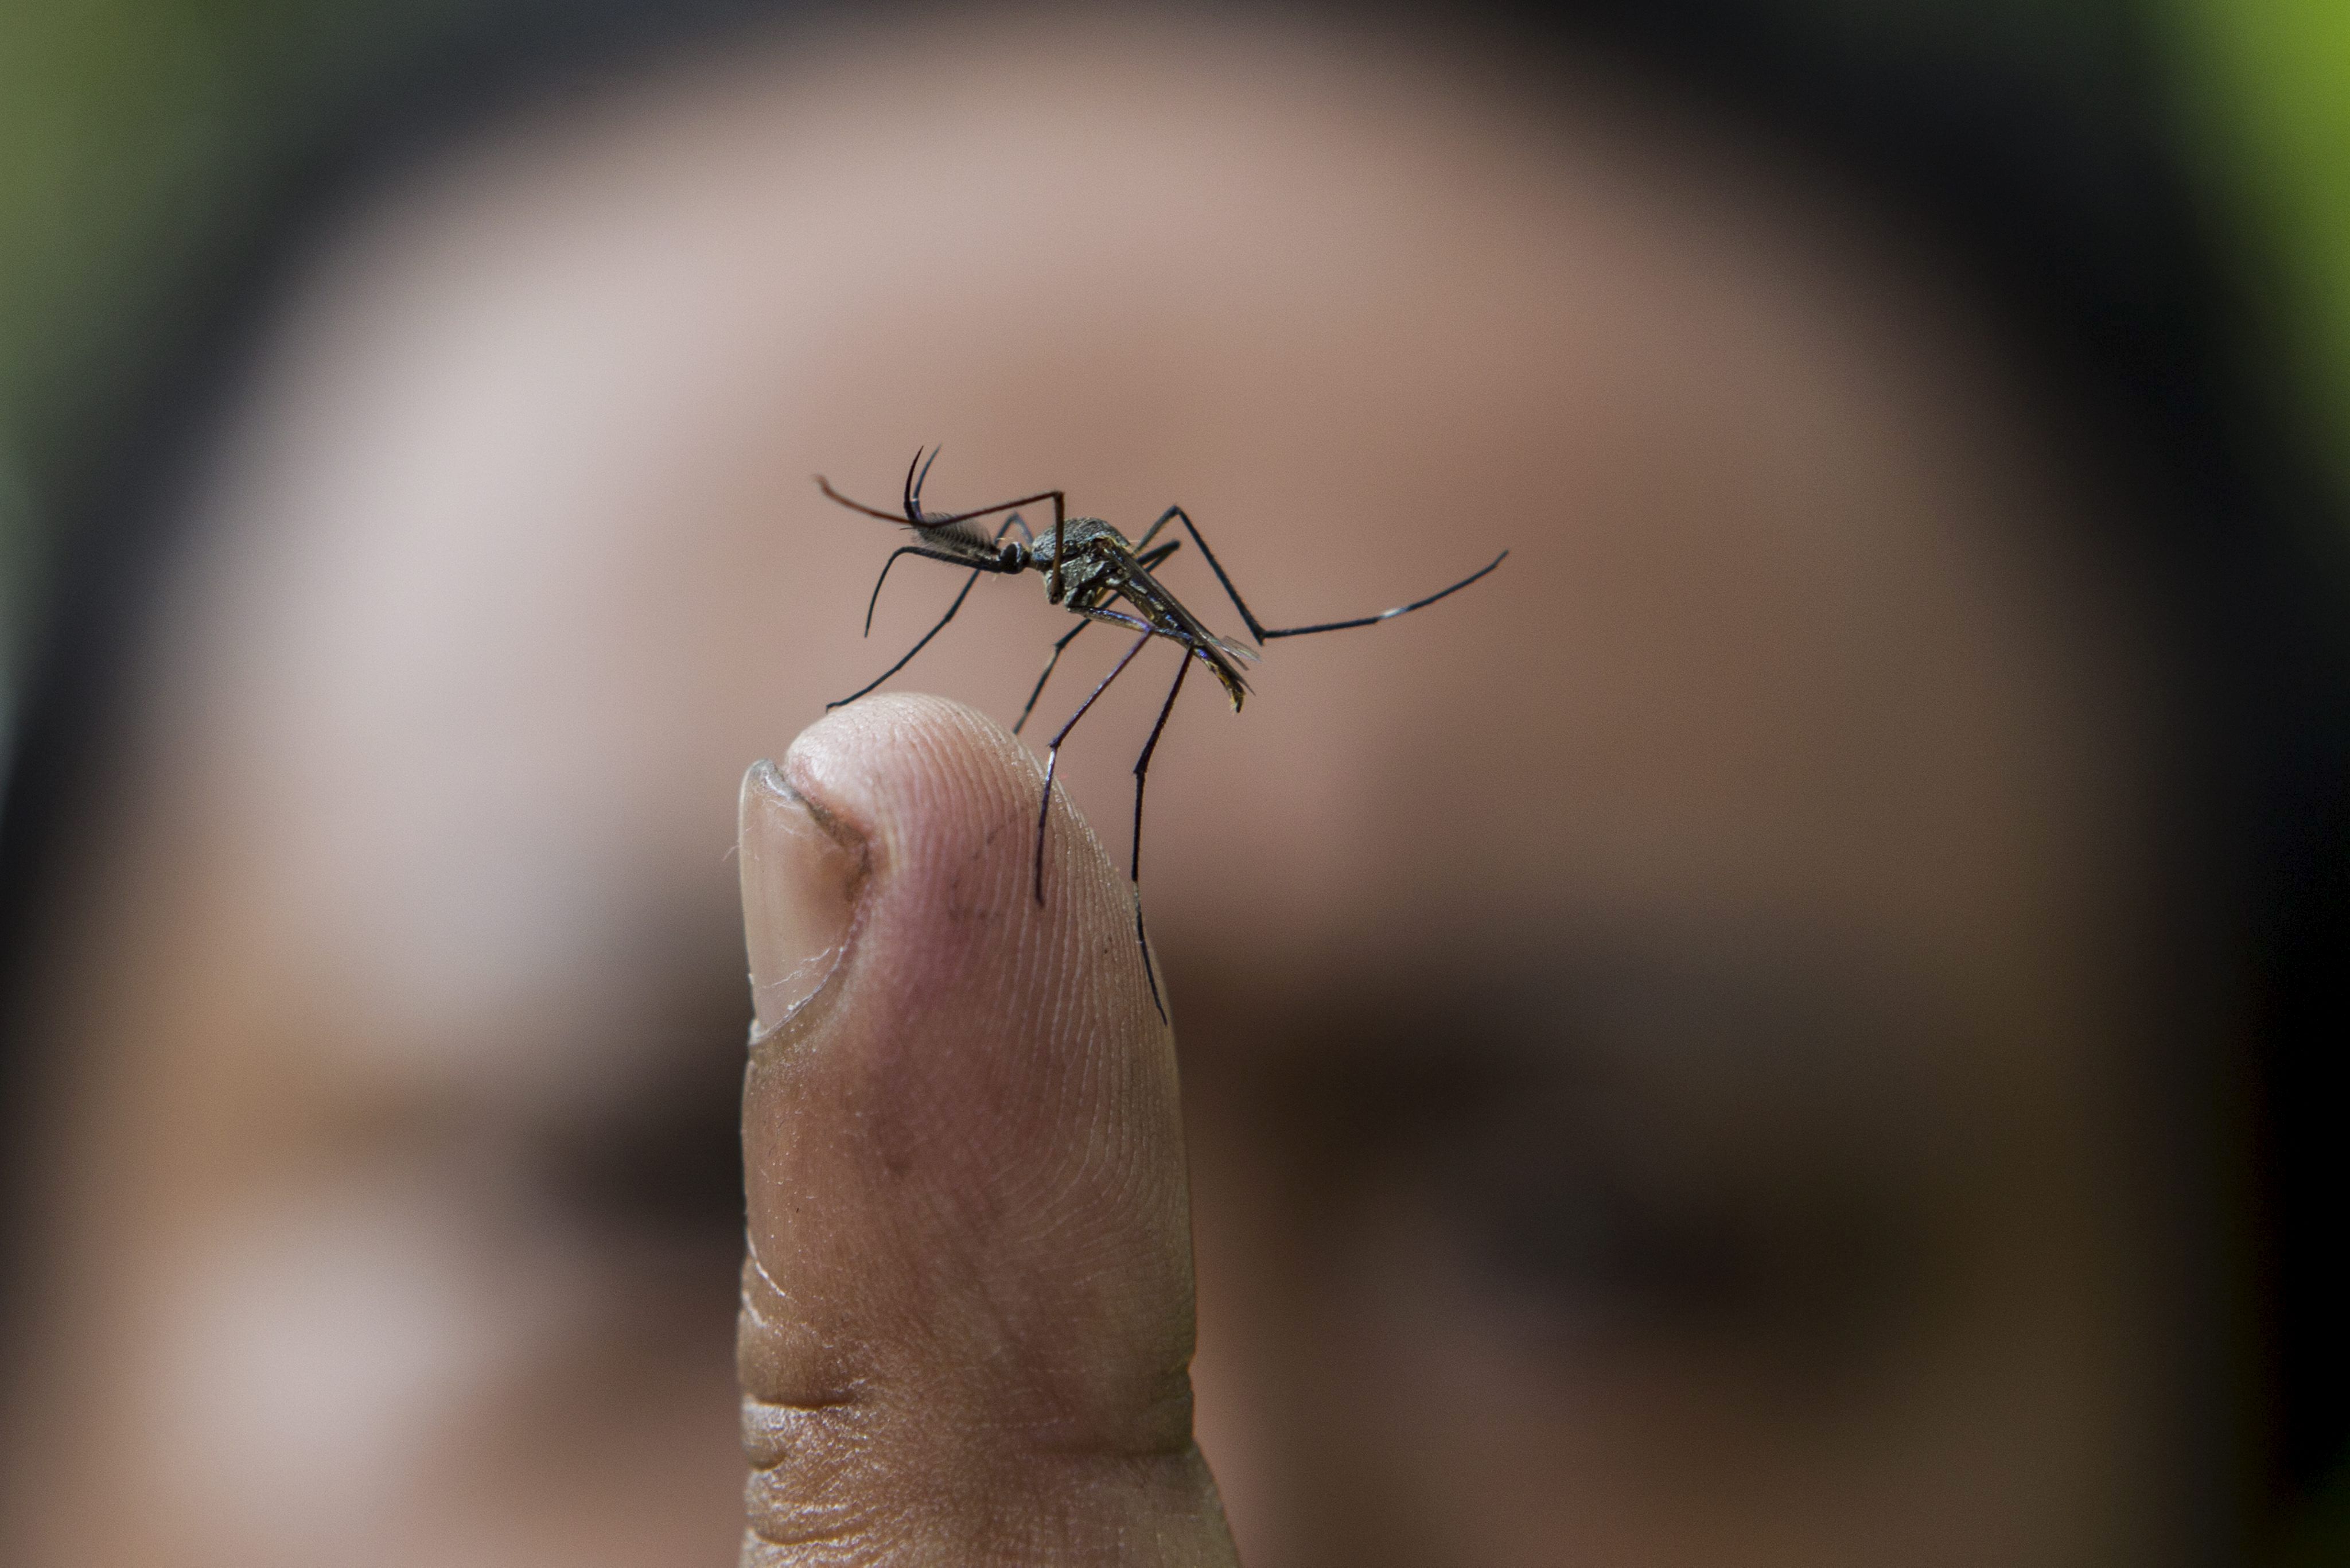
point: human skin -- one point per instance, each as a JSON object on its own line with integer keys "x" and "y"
{"x": 1659, "y": 1029}
{"x": 967, "y": 1311}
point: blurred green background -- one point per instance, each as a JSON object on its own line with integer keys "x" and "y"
{"x": 138, "y": 134}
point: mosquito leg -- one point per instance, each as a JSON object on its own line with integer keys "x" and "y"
{"x": 1142, "y": 771}
{"x": 983, "y": 563}
{"x": 1060, "y": 559}
{"x": 1120, "y": 618}
{"x": 929, "y": 520}
{"x": 1260, "y": 631}
{"x": 1111, "y": 617}
{"x": 1134, "y": 864}
{"x": 919, "y": 518}
{"x": 1387, "y": 614}
{"x": 1152, "y": 531}
{"x": 1177, "y": 514}
{"x": 1058, "y": 648}
{"x": 968, "y": 584}
{"x": 874, "y": 601}
{"x": 934, "y": 520}
{"x": 1052, "y": 752}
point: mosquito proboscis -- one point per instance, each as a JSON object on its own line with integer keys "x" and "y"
{"x": 1090, "y": 569}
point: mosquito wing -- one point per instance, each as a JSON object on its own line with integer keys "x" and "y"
{"x": 1181, "y": 614}
{"x": 1240, "y": 652}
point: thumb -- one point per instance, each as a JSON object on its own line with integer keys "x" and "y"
{"x": 967, "y": 1314}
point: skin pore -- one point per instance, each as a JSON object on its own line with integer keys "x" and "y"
{"x": 1658, "y": 1030}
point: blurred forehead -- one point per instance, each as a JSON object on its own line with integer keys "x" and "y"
{"x": 527, "y": 486}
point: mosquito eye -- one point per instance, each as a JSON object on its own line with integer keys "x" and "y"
{"x": 1015, "y": 558}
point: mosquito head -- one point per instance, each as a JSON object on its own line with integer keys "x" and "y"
{"x": 1013, "y": 556}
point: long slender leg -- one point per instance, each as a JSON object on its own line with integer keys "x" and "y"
{"x": 1260, "y": 631}
{"x": 874, "y": 600}
{"x": 1060, "y": 560}
{"x": 1152, "y": 531}
{"x": 929, "y": 521}
{"x": 1142, "y": 771}
{"x": 919, "y": 518}
{"x": 930, "y": 555}
{"x": 1058, "y": 648}
{"x": 1112, "y": 617}
{"x": 1062, "y": 646}
{"x": 940, "y": 520}
{"x": 1134, "y": 863}
{"x": 968, "y": 584}
{"x": 922, "y": 519}
{"x": 1120, "y": 618}
{"x": 1390, "y": 614}
{"x": 1052, "y": 752}
{"x": 1256, "y": 627}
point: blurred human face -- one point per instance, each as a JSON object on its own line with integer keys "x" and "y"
{"x": 1659, "y": 1026}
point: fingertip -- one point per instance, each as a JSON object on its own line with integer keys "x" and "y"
{"x": 968, "y": 1209}
{"x": 946, "y": 802}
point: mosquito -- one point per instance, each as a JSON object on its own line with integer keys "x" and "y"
{"x": 1090, "y": 569}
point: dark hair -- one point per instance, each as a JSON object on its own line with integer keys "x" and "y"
{"x": 2048, "y": 181}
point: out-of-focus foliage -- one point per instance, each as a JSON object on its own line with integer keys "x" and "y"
{"x": 2267, "y": 88}
{"x": 134, "y": 137}
{"x": 136, "y": 130}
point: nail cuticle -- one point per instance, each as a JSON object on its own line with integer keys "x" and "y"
{"x": 803, "y": 874}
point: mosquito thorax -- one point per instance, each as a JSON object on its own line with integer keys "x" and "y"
{"x": 1084, "y": 533}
